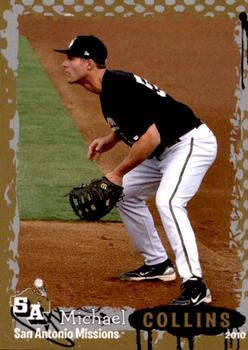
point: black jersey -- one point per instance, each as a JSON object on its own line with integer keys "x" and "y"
{"x": 131, "y": 104}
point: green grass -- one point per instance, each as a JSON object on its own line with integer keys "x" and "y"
{"x": 51, "y": 152}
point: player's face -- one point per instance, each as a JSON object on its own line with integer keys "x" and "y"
{"x": 75, "y": 69}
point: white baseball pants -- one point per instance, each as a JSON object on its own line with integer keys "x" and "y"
{"x": 174, "y": 179}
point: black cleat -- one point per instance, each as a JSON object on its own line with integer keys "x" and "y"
{"x": 194, "y": 293}
{"x": 163, "y": 271}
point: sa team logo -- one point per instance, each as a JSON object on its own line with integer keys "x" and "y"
{"x": 34, "y": 313}
{"x": 34, "y": 318}
{"x": 31, "y": 306}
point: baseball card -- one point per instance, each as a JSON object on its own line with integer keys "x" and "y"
{"x": 124, "y": 147}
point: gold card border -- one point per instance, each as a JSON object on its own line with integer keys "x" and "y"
{"x": 9, "y": 134}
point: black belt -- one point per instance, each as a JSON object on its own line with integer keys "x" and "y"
{"x": 171, "y": 143}
{"x": 178, "y": 139}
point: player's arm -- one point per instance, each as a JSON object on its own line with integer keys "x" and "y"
{"x": 139, "y": 151}
{"x": 102, "y": 144}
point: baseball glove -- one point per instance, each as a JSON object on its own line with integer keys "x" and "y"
{"x": 94, "y": 200}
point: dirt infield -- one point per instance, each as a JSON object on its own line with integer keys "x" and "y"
{"x": 194, "y": 60}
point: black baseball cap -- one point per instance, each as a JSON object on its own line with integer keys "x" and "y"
{"x": 86, "y": 46}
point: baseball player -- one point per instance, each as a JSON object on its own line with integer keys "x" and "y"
{"x": 170, "y": 152}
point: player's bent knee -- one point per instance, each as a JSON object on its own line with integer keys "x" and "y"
{"x": 162, "y": 201}
{"x": 130, "y": 192}
{"x": 167, "y": 204}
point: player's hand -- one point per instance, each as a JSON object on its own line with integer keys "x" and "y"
{"x": 95, "y": 148}
{"x": 101, "y": 144}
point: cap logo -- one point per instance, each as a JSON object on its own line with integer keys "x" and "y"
{"x": 86, "y": 53}
{"x": 72, "y": 42}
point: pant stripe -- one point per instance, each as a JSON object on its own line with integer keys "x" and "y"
{"x": 171, "y": 208}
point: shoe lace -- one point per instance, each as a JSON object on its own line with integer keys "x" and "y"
{"x": 143, "y": 268}
{"x": 188, "y": 289}
{"x": 185, "y": 291}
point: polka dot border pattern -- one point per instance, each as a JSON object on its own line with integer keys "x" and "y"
{"x": 208, "y": 8}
